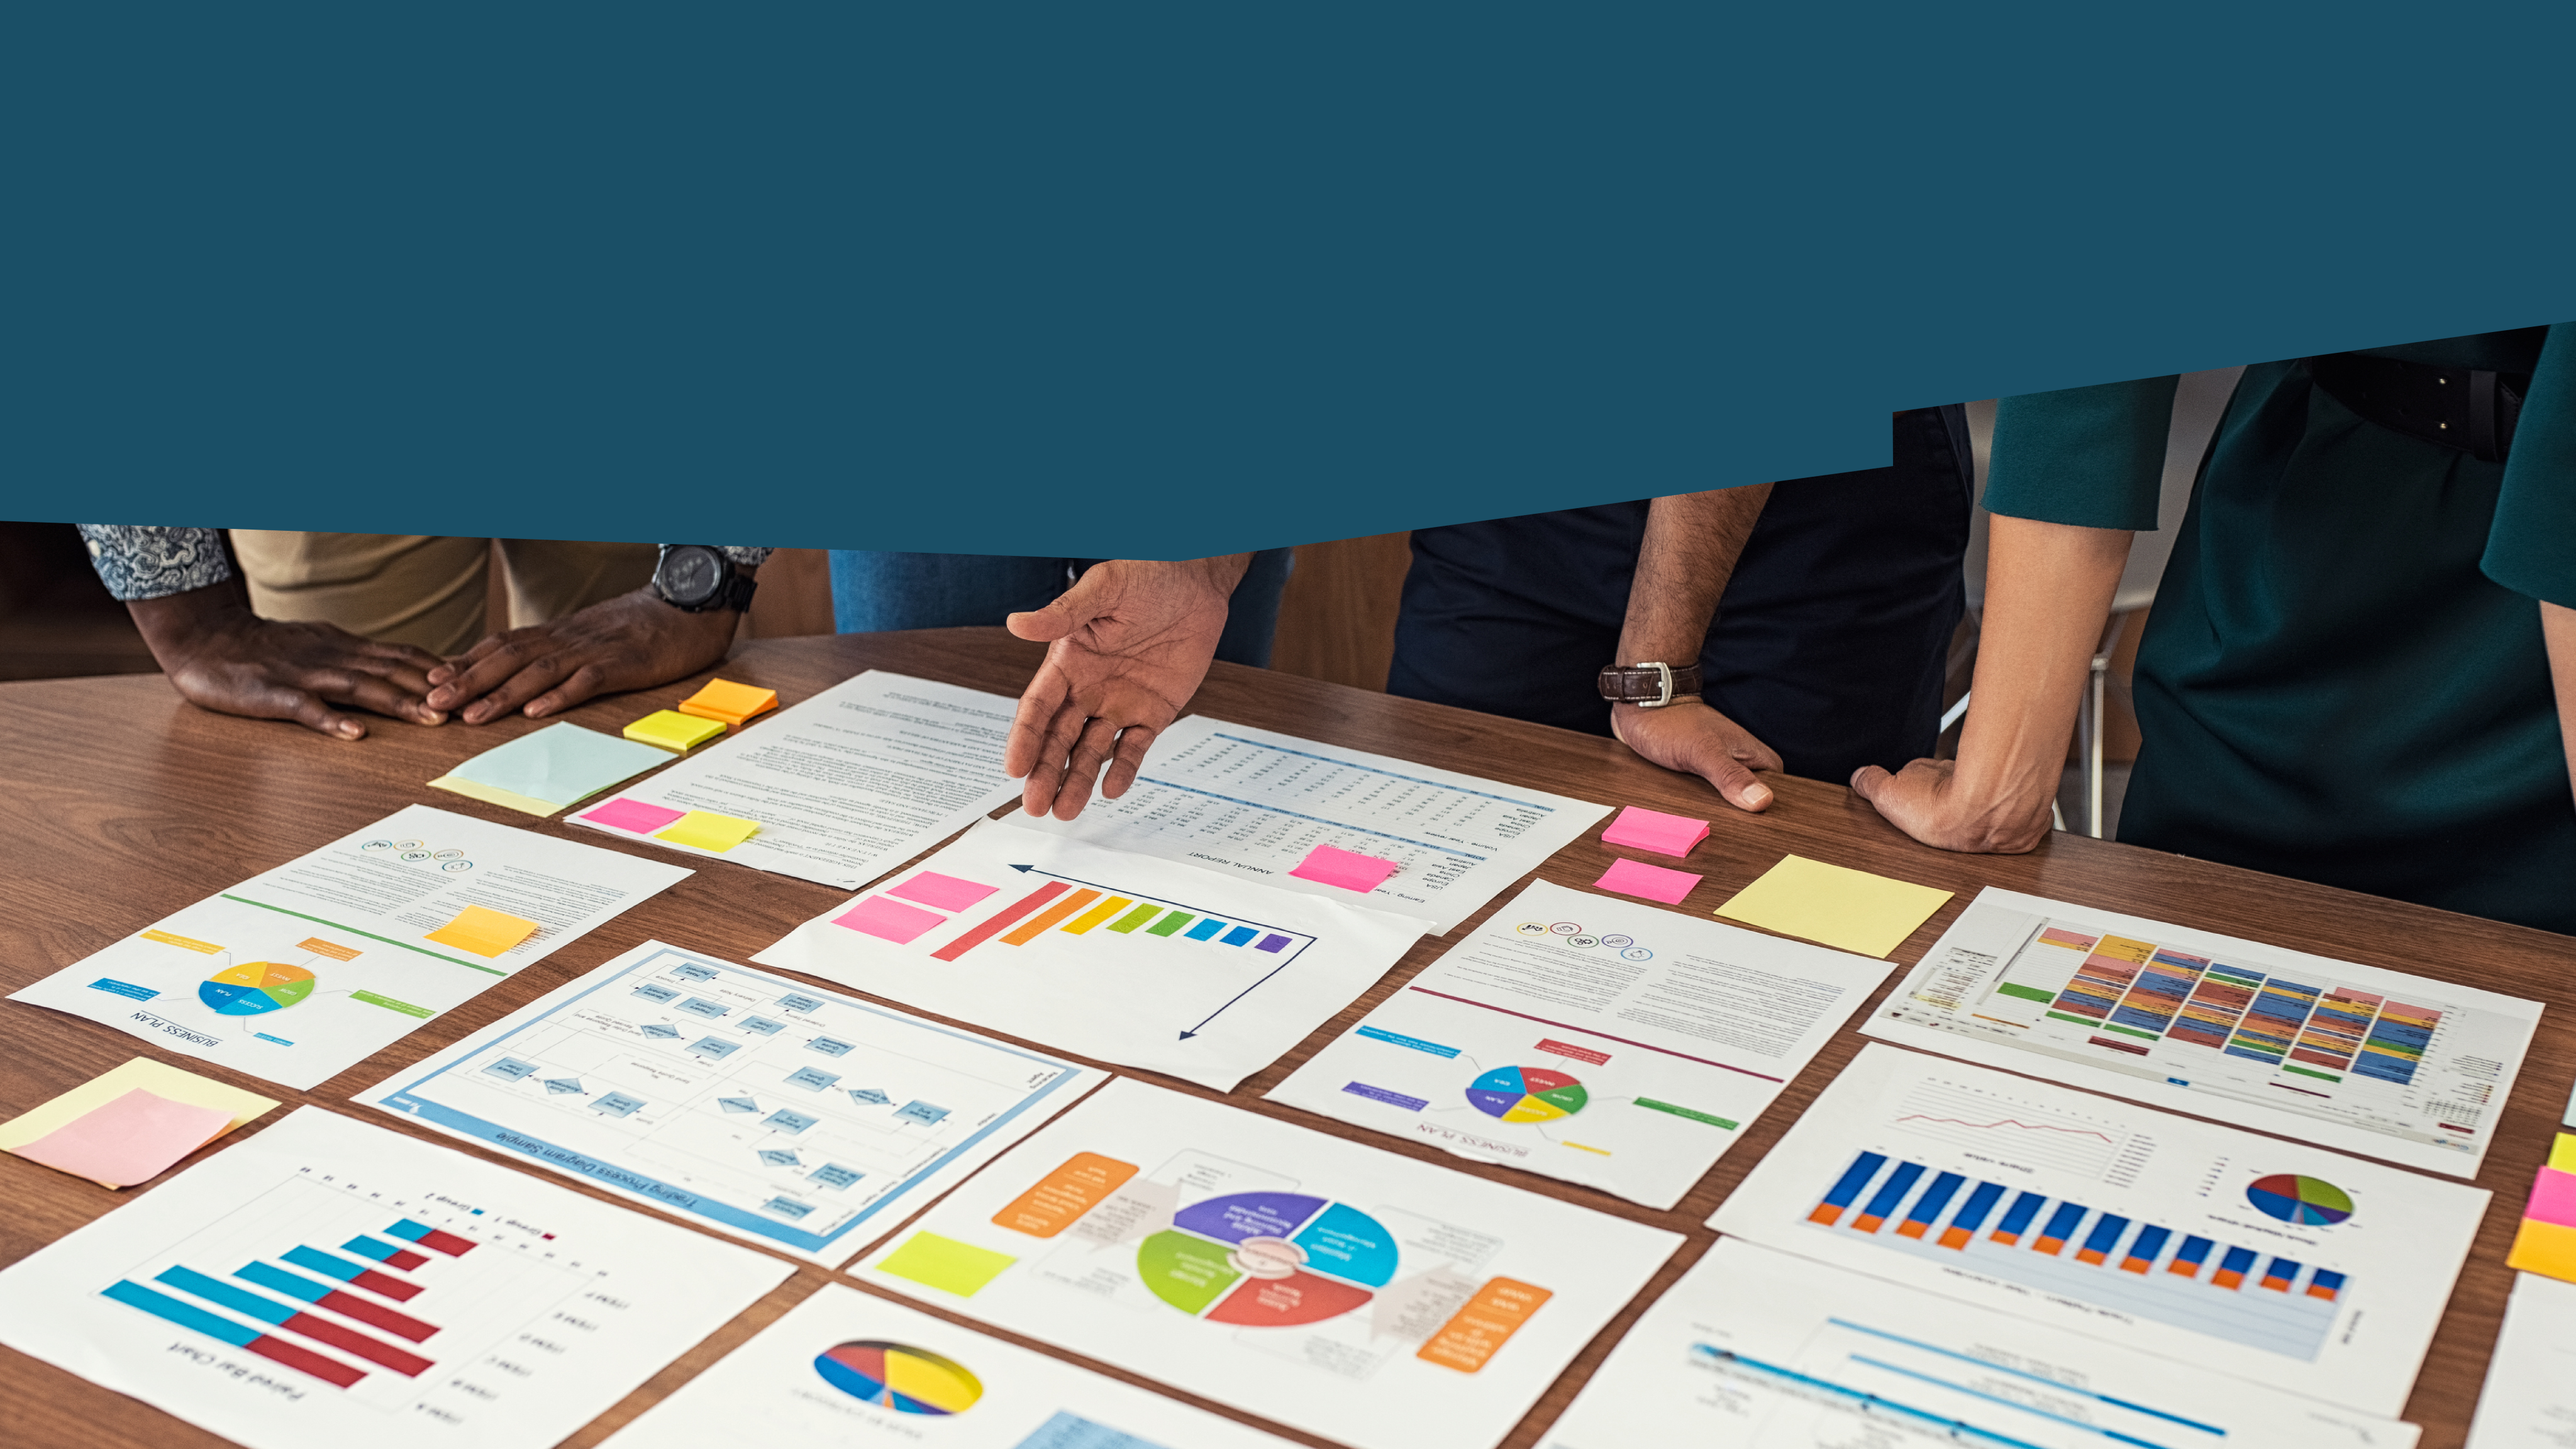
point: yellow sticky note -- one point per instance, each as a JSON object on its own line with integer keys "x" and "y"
{"x": 708, "y": 831}
{"x": 946, "y": 1264}
{"x": 2562, "y": 1152}
{"x": 1850, "y": 910}
{"x": 2544, "y": 1248}
{"x": 725, "y": 700}
{"x": 673, "y": 731}
{"x": 483, "y": 931}
{"x": 140, "y": 1074}
{"x": 495, "y": 795}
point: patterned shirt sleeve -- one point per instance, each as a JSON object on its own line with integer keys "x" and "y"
{"x": 153, "y": 563}
{"x": 745, "y": 555}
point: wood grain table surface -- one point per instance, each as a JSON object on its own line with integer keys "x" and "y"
{"x": 124, "y": 804}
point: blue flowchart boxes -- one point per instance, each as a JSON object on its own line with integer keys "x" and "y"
{"x": 812, "y": 1079}
{"x": 788, "y": 1121}
{"x": 715, "y": 1046}
{"x": 761, "y": 1025}
{"x": 921, "y": 1112}
{"x": 511, "y": 1069}
{"x": 659, "y": 1031}
{"x": 705, "y": 1010}
{"x": 652, "y": 992}
{"x": 794, "y": 1002}
{"x": 828, "y": 1046}
{"x": 833, "y": 1175}
{"x": 617, "y": 1104}
{"x": 776, "y": 1157}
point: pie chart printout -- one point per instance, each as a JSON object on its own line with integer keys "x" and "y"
{"x": 898, "y": 1376}
{"x": 1526, "y": 1094}
{"x": 1268, "y": 1259}
{"x": 2308, "y": 1201}
{"x": 254, "y": 987}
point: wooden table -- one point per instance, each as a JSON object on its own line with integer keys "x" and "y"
{"x": 126, "y": 804}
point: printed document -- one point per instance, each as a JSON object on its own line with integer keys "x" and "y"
{"x": 2530, "y": 1397}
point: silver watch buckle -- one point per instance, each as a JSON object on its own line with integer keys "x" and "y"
{"x": 1663, "y": 686}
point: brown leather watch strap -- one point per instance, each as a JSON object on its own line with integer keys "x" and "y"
{"x": 1650, "y": 685}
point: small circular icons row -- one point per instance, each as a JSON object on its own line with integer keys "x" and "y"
{"x": 1571, "y": 933}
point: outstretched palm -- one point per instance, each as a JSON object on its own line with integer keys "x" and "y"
{"x": 1126, "y": 648}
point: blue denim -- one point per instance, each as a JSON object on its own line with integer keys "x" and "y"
{"x": 874, "y": 591}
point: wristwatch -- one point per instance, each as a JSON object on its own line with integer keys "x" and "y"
{"x": 1650, "y": 686}
{"x": 695, "y": 578}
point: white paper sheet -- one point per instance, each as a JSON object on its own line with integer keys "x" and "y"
{"x": 2529, "y": 1401}
{"x": 869, "y": 773}
{"x": 1590, "y": 1039}
{"x": 845, "y": 1368}
{"x": 326, "y": 1283}
{"x": 758, "y": 1106}
{"x": 1124, "y": 958}
{"x": 1334, "y": 1288}
{"x": 1754, "y": 1349}
{"x": 332, "y": 949}
{"x": 2285, "y": 1264}
{"x": 2394, "y": 1065}
{"x": 1251, "y": 804}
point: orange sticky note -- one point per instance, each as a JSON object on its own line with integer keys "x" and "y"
{"x": 1077, "y": 1187}
{"x": 732, "y": 703}
{"x": 483, "y": 931}
{"x": 129, "y": 1140}
{"x": 1477, "y": 1331}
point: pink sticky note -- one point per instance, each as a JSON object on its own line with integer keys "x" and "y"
{"x": 1348, "y": 869}
{"x": 1642, "y": 829}
{"x": 624, "y": 814}
{"x": 944, "y": 891}
{"x": 888, "y": 920}
{"x": 129, "y": 1140}
{"x": 2553, "y": 1198}
{"x": 1653, "y": 882}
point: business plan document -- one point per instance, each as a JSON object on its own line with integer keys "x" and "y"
{"x": 1337, "y": 1289}
{"x": 2286, "y": 1264}
{"x": 1255, "y": 805}
{"x": 2529, "y": 1401}
{"x": 327, "y": 1283}
{"x": 301, "y": 972}
{"x": 846, "y": 1368}
{"x": 1121, "y": 957}
{"x": 1591, "y": 1039}
{"x": 861, "y": 777}
{"x": 766, "y": 1108}
{"x": 1756, "y": 1349}
{"x": 2385, "y": 1063}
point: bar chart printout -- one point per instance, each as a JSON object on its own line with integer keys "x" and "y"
{"x": 1109, "y": 954}
{"x": 2314, "y": 1272}
{"x": 326, "y": 1280}
{"x": 1756, "y": 1349}
{"x": 2358, "y": 1057}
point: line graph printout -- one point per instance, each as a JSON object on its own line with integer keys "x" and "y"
{"x": 762, "y": 1107}
{"x": 327, "y": 1283}
{"x": 2286, "y": 1264}
{"x": 1251, "y": 804}
{"x": 2381, "y": 1062}
{"x": 1373, "y": 1300}
{"x": 304, "y": 971}
{"x": 1755, "y": 1349}
{"x": 1589, "y": 1039}
{"x": 846, "y": 1368}
{"x": 1120, "y": 957}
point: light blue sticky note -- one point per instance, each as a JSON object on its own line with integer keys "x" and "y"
{"x": 561, "y": 764}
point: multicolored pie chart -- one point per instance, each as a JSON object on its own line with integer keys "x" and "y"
{"x": 254, "y": 987}
{"x": 898, "y": 1376}
{"x": 1526, "y": 1094}
{"x": 2308, "y": 1201}
{"x": 1268, "y": 1259}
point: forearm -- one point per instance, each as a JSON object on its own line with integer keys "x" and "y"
{"x": 2558, "y": 628}
{"x": 2048, "y": 593}
{"x": 174, "y": 625}
{"x": 1691, "y": 545}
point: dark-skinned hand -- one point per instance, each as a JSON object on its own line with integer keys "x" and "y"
{"x": 633, "y": 641}
{"x": 221, "y": 656}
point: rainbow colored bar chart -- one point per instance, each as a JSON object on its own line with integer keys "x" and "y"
{"x": 1069, "y": 908}
{"x": 2191, "y": 1281}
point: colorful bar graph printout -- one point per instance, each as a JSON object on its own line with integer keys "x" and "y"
{"x": 1001, "y": 921}
{"x": 2143, "y": 1253}
{"x": 1846, "y": 1189}
{"x": 2061, "y": 1226}
{"x": 2188, "y": 1258}
{"x": 1888, "y": 1196}
{"x": 1972, "y": 1215}
{"x": 2017, "y": 1217}
{"x": 2233, "y": 1268}
{"x": 2104, "y": 1237}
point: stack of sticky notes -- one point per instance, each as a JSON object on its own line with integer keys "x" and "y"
{"x": 2546, "y": 1242}
{"x": 484, "y": 931}
{"x": 1651, "y": 882}
{"x": 703, "y": 829}
{"x": 129, "y": 1125}
{"x": 1641, "y": 829}
{"x": 546, "y": 770}
{"x": 1850, "y": 910}
{"x": 671, "y": 730}
{"x": 728, "y": 703}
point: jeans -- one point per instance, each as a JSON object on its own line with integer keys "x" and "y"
{"x": 875, "y": 591}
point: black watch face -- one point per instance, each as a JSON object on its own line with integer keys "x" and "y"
{"x": 691, "y": 575}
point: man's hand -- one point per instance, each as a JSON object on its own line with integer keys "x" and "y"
{"x": 633, "y": 641}
{"x": 1126, "y": 648}
{"x": 221, "y": 656}
{"x": 1697, "y": 740}
{"x": 1928, "y": 801}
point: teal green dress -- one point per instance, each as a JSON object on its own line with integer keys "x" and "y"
{"x": 2343, "y": 678}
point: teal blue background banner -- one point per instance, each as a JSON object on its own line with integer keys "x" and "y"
{"x": 1163, "y": 279}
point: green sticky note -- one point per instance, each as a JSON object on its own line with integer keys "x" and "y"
{"x": 945, "y": 1264}
{"x": 559, "y": 765}
{"x": 708, "y": 831}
